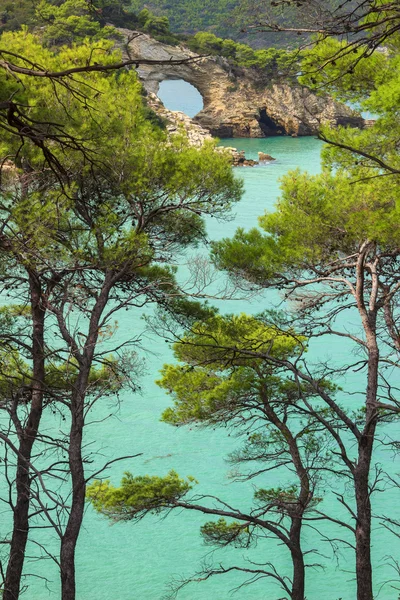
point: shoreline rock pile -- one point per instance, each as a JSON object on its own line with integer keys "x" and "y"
{"x": 239, "y": 157}
{"x": 177, "y": 122}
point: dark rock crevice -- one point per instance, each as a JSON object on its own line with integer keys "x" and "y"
{"x": 268, "y": 126}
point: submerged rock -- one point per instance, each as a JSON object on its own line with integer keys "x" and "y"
{"x": 238, "y": 157}
{"x": 262, "y": 157}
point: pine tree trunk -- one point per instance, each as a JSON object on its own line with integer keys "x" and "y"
{"x": 298, "y": 584}
{"x": 368, "y": 313}
{"x": 362, "y": 471}
{"x": 71, "y": 534}
{"x": 20, "y": 524}
{"x": 363, "y": 528}
{"x": 27, "y": 436}
{"x": 70, "y": 537}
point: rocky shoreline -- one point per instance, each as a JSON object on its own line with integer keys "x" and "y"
{"x": 177, "y": 122}
{"x": 234, "y": 103}
{"x": 237, "y": 101}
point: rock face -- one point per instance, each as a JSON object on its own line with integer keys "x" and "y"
{"x": 279, "y": 110}
{"x": 177, "y": 121}
{"x": 235, "y": 103}
{"x": 262, "y": 157}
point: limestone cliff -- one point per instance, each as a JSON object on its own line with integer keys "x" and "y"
{"x": 235, "y": 104}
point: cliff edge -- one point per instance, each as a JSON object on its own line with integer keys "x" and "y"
{"x": 235, "y": 103}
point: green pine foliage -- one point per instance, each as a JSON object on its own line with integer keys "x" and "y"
{"x": 70, "y": 22}
{"x": 222, "y": 380}
{"x": 16, "y": 378}
{"x": 318, "y": 218}
{"x": 169, "y": 23}
{"x": 270, "y": 61}
{"x": 40, "y": 13}
{"x": 98, "y": 204}
{"x": 137, "y": 495}
{"x": 15, "y": 14}
{"x": 222, "y": 533}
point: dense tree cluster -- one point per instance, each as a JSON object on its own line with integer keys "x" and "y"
{"x": 97, "y": 204}
{"x": 331, "y": 248}
{"x": 73, "y": 20}
{"x": 241, "y": 20}
{"x": 269, "y": 62}
{"x": 192, "y": 16}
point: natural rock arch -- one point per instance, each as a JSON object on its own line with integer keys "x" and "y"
{"x": 234, "y": 106}
{"x": 180, "y": 94}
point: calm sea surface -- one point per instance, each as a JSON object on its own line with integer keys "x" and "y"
{"x": 136, "y": 561}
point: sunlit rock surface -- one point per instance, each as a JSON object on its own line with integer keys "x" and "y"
{"x": 235, "y": 104}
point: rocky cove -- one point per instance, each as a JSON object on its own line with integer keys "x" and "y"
{"x": 237, "y": 102}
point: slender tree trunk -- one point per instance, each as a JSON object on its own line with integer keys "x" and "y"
{"x": 363, "y": 526}
{"x": 361, "y": 481}
{"x": 298, "y": 584}
{"x": 20, "y": 523}
{"x": 70, "y": 537}
{"x": 71, "y": 533}
{"x": 368, "y": 314}
{"x": 27, "y": 435}
{"x": 299, "y": 576}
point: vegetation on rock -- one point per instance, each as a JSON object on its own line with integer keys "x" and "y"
{"x": 269, "y": 62}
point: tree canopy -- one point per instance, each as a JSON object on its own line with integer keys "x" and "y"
{"x": 331, "y": 249}
{"x": 97, "y": 204}
{"x": 221, "y": 380}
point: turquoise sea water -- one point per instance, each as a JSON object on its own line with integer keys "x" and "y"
{"x": 136, "y": 561}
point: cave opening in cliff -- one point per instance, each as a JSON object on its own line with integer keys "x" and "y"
{"x": 177, "y": 94}
{"x": 268, "y": 126}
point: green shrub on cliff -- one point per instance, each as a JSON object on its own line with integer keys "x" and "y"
{"x": 74, "y": 20}
{"x": 272, "y": 60}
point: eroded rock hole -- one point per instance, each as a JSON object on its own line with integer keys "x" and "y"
{"x": 268, "y": 126}
{"x": 177, "y": 94}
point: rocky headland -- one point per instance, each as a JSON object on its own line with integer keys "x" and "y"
{"x": 236, "y": 102}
